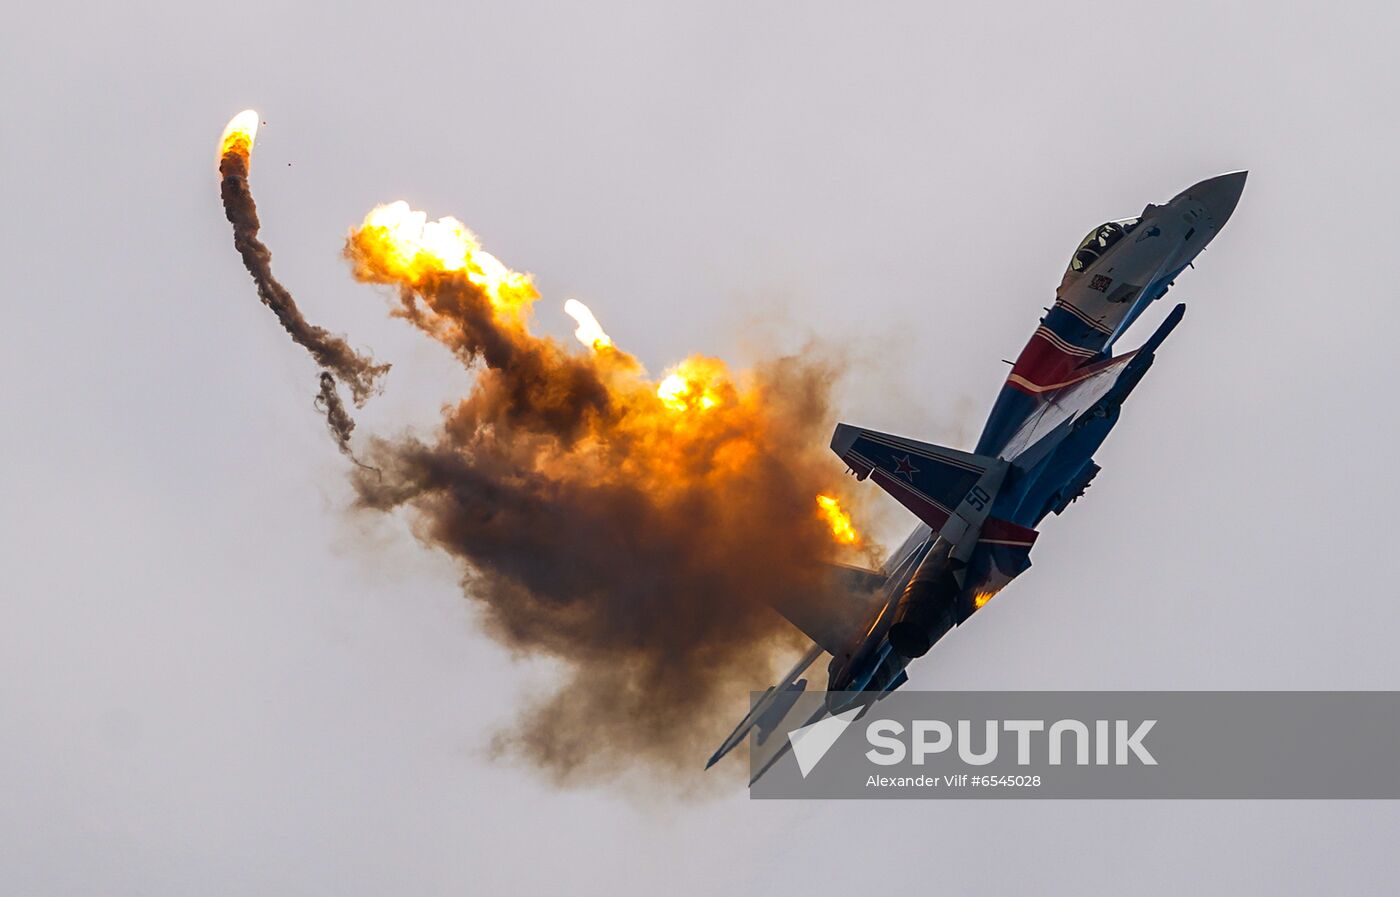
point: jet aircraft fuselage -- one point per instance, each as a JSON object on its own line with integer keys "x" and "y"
{"x": 1047, "y": 443}
{"x": 979, "y": 510}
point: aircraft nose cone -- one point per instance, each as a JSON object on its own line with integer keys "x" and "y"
{"x": 1219, "y": 195}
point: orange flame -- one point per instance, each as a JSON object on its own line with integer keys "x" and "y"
{"x": 842, "y": 529}
{"x": 980, "y": 600}
{"x": 696, "y": 384}
{"x": 397, "y": 244}
{"x": 239, "y": 134}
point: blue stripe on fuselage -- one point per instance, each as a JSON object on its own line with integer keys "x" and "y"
{"x": 1073, "y": 329}
{"x": 1011, "y": 409}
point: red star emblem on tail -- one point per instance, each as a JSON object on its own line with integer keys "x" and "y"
{"x": 902, "y": 466}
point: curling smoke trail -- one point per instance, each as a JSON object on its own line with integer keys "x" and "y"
{"x": 338, "y": 420}
{"x": 331, "y": 352}
{"x": 634, "y": 530}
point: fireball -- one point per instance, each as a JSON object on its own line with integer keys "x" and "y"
{"x": 696, "y": 384}
{"x": 398, "y": 244}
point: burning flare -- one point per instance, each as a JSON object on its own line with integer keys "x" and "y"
{"x": 339, "y": 362}
{"x": 842, "y": 529}
{"x": 239, "y": 135}
{"x": 589, "y": 331}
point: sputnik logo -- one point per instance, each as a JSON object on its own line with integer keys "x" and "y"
{"x": 811, "y": 742}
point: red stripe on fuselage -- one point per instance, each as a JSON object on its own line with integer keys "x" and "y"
{"x": 1046, "y": 365}
{"x": 1041, "y": 364}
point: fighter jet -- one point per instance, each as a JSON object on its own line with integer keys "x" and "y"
{"x": 979, "y": 510}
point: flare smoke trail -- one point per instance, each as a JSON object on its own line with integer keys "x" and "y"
{"x": 633, "y": 530}
{"x": 331, "y": 352}
{"x": 338, "y": 420}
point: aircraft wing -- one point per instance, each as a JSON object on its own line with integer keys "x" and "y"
{"x": 829, "y": 619}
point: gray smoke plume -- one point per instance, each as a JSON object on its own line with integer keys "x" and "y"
{"x": 331, "y": 352}
{"x": 338, "y": 420}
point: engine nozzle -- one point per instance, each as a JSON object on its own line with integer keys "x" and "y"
{"x": 927, "y": 609}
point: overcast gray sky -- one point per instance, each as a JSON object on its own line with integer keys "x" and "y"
{"x": 215, "y": 681}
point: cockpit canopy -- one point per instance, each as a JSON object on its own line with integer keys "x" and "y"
{"x": 1098, "y": 242}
